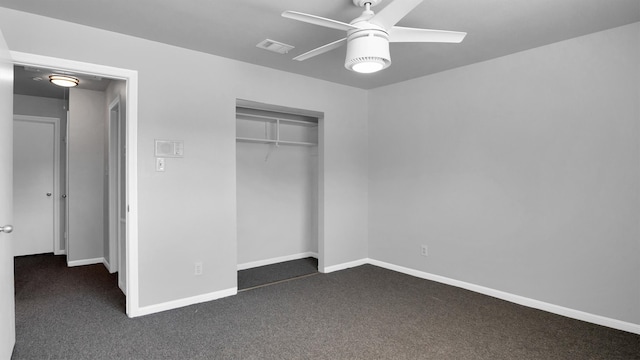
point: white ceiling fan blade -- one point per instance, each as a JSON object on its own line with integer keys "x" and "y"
{"x": 394, "y": 12}
{"x": 403, "y": 34}
{"x": 317, "y": 20}
{"x": 321, "y": 50}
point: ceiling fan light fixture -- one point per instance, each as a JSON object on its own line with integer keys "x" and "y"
{"x": 64, "y": 80}
{"x": 368, "y": 54}
{"x": 368, "y": 35}
{"x": 368, "y": 66}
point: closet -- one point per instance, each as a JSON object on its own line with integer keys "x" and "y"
{"x": 277, "y": 186}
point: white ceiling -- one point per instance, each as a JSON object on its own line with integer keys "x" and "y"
{"x": 232, "y": 28}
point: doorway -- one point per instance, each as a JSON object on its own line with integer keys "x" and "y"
{"x": 127, "y": 167}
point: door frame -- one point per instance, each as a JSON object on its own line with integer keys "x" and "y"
{"x": 116, "y": 215}
{"x": 57, "y": 191}
{"x": 131, "y": 79}
{"x": 113, "y": 145}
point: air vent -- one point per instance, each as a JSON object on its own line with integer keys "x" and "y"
{"x": 31, "y": 69}
{"x": 275, "y": 46}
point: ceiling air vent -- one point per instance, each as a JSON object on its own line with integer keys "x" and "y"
{"x": 275, "y": 46}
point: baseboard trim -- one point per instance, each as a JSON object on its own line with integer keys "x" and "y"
{"x": 85, "y": 262}
{"x": 60, "y": 252}
{"x": 276, "y": 260}
{"x": 517, "y": 299}
{"x": 107, "y": 265}
{"x": 330, "y": 269}
{"x": 175, "y": 304}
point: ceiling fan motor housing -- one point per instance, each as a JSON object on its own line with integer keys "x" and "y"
{"x": 367, "y": 46}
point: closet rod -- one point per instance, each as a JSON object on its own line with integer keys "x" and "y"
{"x": 270, "y": 141}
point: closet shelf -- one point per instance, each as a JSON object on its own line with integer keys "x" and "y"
{"x": 270, "y": 141}
{"x": 276, "y": 130}
{"x": 262, "y": 118}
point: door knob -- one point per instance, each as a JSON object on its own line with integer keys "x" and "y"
{"x": 48, "y": 194}
{"x": 6, "y": 228}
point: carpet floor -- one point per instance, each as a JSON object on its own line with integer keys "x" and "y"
{"x": 268, "y": 274}
{"x": 360, "y": 313}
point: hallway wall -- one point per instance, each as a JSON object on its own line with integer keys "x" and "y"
{"x": 87, "y": 117}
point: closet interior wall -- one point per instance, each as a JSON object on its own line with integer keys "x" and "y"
{"x": 277, "y": 186}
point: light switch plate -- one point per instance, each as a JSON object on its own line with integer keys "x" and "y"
{"x": 160, "y": 164}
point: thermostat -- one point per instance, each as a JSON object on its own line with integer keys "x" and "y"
{"x": 169, "y": 148}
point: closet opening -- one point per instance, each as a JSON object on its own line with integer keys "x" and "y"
{"x": 277, "y": 182}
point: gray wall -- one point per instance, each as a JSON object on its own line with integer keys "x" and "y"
{"x": 55, "y": 108}
{"x": 521, "y": 173}
{"x": 87, "y": 116}
{"x": 40, "y": 106}
{"x": 197, "y": 193}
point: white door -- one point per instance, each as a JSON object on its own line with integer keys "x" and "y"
{"x": 34, "y": 187}
{"x": 7, "y": 305}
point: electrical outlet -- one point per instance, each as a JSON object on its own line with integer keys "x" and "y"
{"x": 423, "y": 250}
{"x": 198, "y": 269}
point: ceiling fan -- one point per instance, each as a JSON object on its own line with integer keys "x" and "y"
{"x": 368, "y": 35}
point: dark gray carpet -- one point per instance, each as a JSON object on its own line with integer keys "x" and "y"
{"x": 268, "y": 274}
{"x": 360, "y": 313}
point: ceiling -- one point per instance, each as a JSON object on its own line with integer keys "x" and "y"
{"x": 34, "y": 81}
{"x": 232, "y": 28}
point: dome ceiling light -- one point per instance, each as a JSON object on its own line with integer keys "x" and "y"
{"x": 64, "y": 80}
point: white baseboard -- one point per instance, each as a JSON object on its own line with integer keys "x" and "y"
{"x": 85, "y": 262}
{"x": 108, "y": 266}
{"x": 276, "y": 260}
{"x": 169, "y": 305}
{"x": 60, "y": 252}
{"x": 517, "y": 299}
{"x": 521, "y": 300}
{"x": 329, "y": 269}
